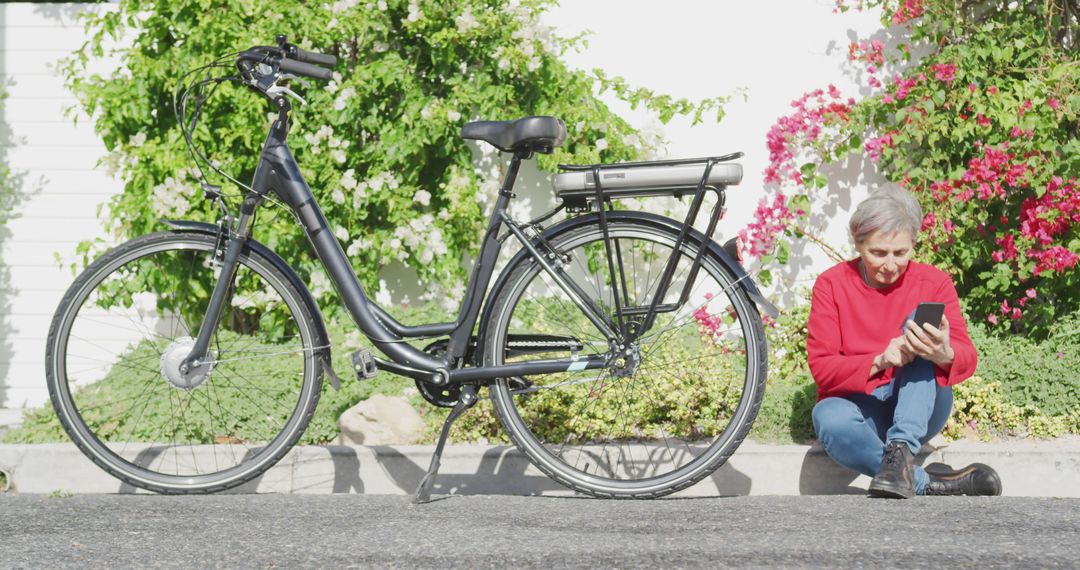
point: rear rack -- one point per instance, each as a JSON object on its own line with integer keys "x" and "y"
{"x": 580, "y": 194}
{"x": 672, "y": 162}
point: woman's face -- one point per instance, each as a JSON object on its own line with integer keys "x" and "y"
{"x": 885, "y": 256}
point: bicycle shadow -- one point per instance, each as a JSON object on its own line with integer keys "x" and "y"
{"x": 501, "y": 471}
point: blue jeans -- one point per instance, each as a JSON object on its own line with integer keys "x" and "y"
{"x": 912, "y": 409}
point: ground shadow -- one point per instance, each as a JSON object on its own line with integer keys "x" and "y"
{"x": 820, "y": 475}
{"x": 498, "y": 466}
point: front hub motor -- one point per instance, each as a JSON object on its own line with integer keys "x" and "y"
{"x": 174, "y": 355}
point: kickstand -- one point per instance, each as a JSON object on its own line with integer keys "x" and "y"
{"x": 465, "y": 401}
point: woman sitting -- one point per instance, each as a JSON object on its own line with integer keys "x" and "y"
{"x": 885, "y": 384}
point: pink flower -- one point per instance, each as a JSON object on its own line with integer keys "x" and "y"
{"x": 1030, "y": 293}
{"x": 1016, "y": 314}
{"x": 1054, "y": 104}
{"x": 992, "y": 90}
{"x": 982, "y": 120}
{"x": 874, "y": 146}
{"x": 972, "y": 87}
{"x": 929, "y": 221}
{"x": 993, "y": 319}
{"x": 944, "y": 72}
{"x": 908, "y": 10}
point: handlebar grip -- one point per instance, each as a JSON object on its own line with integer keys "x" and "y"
{"x": 305, "y": 69}
{"x": 323, "y": 59}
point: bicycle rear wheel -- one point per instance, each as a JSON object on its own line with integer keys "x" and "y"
{"x": 660, "y": 417}
{"x": 113, "y": 354}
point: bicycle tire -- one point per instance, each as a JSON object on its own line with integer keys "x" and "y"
{"x": 618, "y": 482}
{"x": 233, "y": 434}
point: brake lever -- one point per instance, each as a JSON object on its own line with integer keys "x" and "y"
{"x": 289, "y": 76}
{"x": 276, "y": 89}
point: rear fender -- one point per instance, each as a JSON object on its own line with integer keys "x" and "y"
{"x": 294, "y": 279}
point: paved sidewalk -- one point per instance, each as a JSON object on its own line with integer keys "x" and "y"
{"x": 1027, "y": 468}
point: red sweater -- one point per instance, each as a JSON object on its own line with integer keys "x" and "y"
{"x": 851, "y": 323}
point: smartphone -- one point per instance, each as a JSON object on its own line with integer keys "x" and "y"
{"x": 929, "y": 313}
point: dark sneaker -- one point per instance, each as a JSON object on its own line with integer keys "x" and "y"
{"x": 896, "y": 477}
{"x": 975, "y": 479}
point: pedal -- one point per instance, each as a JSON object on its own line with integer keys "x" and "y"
{"x": 363, "y": 363}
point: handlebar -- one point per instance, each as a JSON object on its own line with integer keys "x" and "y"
{"x": 262, "y": 67}
{"x": 305, "y": 69}
{"x": 323, "y": 59}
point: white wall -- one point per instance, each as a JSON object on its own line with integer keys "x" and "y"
{"x": 690, "y": 48}
{"x": 59, "y": 188}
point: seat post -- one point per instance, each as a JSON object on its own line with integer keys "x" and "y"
{"x": 511, "y": 174}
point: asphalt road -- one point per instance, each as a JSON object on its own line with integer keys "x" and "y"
{"x": 248, "y": 531}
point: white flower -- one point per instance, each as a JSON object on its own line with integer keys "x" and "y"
{"x": 379, "y": 47}
{"x": 338, "y": 196}
{"x": 172, "y": 198}
{"x": 348, "y": 179}
{"x": 454, "y": 116}
{"x": 504, "y": 63}
{"x": 357, "y": 245}
{"x": 534, "y": 64}
{"x": 139, "y": 139}
{"x": 382, "y": 5}
{"x": 414, "y": 11}
{"x": 332, "y": 23}
{"x": 341, "y": 233}
{"x": 423, "y": 197}
{"x": 343, "y": 98}
{"x": 320, "y": 284}
{"x": 338, "y": 155}
{"x": 466, "y": 21}
{"x": 426, "y": 113}
{"x": 601, "y": 144}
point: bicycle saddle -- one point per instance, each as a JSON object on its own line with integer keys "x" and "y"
{"x": 539, "y": 134}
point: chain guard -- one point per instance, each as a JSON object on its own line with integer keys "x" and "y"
{"x": 441, "y": 396}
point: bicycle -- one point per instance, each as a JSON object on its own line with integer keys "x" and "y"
{"x": 616, "y": 318}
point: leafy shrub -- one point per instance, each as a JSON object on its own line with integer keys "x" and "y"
{"x": 983, "y": 410}
{"x": 104, "y": 405}
{"x": 791, "y": 393}
{"x": 380, "y": 145}
{"x": 1044, "y": 375}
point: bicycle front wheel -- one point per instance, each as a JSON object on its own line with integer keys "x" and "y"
{"x": 671, "y": 406}
{"x": 113, "y": 355}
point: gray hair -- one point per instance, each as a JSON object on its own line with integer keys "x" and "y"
{"x": 889, "y": 209}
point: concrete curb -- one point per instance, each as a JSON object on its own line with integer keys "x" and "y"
{"x": 1033, "y": 469}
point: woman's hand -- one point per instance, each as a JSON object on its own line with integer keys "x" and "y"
{"x": 897, "y": 353}
{"x": 930, "y": 342}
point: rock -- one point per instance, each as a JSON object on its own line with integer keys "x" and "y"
{"x": 380, "y": 420}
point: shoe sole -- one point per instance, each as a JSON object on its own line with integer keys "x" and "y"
{"x": 882, "y": 491}
{"x": 942, "y": 470}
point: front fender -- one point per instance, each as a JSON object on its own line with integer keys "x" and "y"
{"x": 742, "y": 278}
{"x": 294, "y": 280}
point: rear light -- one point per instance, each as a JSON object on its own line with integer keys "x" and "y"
{"x": 731, "y": 246}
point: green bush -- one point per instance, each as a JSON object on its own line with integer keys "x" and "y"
{"x": 791, "y": 393}
{"x": 102, "y": 403}
{"x": 380, "y": 144}
{"x": 1043, "y": 375}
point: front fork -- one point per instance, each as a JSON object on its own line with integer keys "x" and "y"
{"x": 234, "y": 242}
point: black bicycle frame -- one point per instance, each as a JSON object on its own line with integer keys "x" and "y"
{"x": 279, "y": 174}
